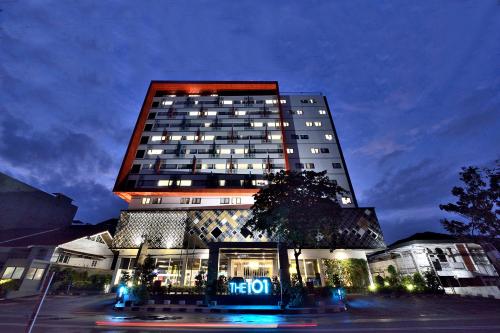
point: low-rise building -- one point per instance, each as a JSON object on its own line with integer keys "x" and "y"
{"x": 462, "y": 267}
{"x": 26, "y": 260}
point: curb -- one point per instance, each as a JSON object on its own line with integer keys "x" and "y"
{"x": 333, "y": 309}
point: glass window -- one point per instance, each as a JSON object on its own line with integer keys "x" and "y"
{"x": 185, "y": 201}
{"x": 305, "y": 136}
{"x": 31, "y": 273}
{"x": 224, "y": 201}
{"x": 17, "y": 273}
{"x": 315, "y": 150}
{"x": 146, "y": 201}
{"x": 299, "y": 112}
{"x": 329, "y": 137}
{"x": 289, "y": 150}
{"x": 322, "y": 112}
{"x": 324, "y": 150}
{"x": 309, "y": 123}
{"x": 8, "y": 272}
{"x": 309, "y": 165}
{"x": 337, "y": 165}
{"x": 236, "y": 200}
{"x": 346, "y": 200}
{"x": 165, "y": 182}
{"x": 317, "y": 123}
{"x": 185, "y": 183}
{"x": 196, "y": 201}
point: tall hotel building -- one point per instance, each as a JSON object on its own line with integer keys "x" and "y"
{"x": 198, "y": 154}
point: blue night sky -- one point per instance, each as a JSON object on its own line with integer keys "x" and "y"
{"x": 414, "y": 87}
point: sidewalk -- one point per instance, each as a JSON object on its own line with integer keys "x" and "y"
{"x": 239, "y": 309}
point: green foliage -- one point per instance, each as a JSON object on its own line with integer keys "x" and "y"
{"x": 379, "y": 281}
{"x": 297, "y": 295}
{"x": 8, "y": 284}
{"x": 394, "y": 278}
{"x": 200, "y": 282}
{"x": 419, "y": 282}
{"x": 68, "y": 279}
{"x": 221, "y": 285}
{"x": 287, "y": 206}
{"x": 432, "y": 281}
{"x": 125, "y": 277}
{"x": 146, "y": 272}
{"x": 350, "y": 273}
{"x": 477, "y": 204}
{"x": 140, "y": 293}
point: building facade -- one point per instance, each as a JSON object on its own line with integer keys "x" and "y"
{"x": 198, "y": 154}
{"x": 462, "y": 267}
{"x": 27, "y": 260}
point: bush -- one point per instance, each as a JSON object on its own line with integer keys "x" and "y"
{"x": 297, "y": 296}
{"x": 348, "y": 273}
{"x": 8, "y": 284}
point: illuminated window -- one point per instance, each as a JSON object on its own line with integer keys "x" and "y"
{"x": 194, "y": 113}
{"x": 257, "y": 124}
{"x": 220, "y": 166}
{"x": 157, "y": 138}
{"x": 286, "y": 124}
{"x": 309, "y": 165}
{"x": 225, "y": 151}
{"x": 165, "y": 103}
{"x": 329, "y": 137}
{"x": 236, "y": 201}
{"x": 308, "y": 101}
{"x": 271, "y": 101}
{"x": 317, "y": 123}
{"x": 271, "y": 124}
{"x": 275, "y": 137}
{"x": 322, "y": 112}
{"x": 184, "y": 183}
{"x": 289, "y": 150}
{"x": 283, "y": 101}
{"x": 8, "y": 272}
{"x": 176, "y": 137}
{"x": 196, "y": 201}
{"x": 156, "y": 201}
{"x": 298, "y": 112}
{"x": 211, "y": 113}
{"x": 227, "y": 102}
{"x": 309, "y": 123}
{"x": 257, "y": 166}
{"x": 155, "y": 151}
{"x": 208, "y": 137}
{"x": 259, "y": 182}
{"x": 207, "y": 124}
{"x": 315, "y": 150}
{"x": 240, "y": 113}
{"x": 146, "y": 201}
{"x": 165, "y": 182}
{"x": 224, "y": 201}
{"x": 184, "y": 201}
{"x": 239, "y": 151}
{"x": 346, "y": 200}
{"x": 222, "y": 182}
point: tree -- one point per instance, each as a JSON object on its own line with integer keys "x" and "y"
{"x": 300, "y": 209}
{"x": 146, "y": 272}
{"x": 477, "y": 204}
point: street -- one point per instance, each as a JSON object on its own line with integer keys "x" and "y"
{"x": 365, "y": 314}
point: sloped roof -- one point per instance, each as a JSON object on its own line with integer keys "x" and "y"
{"x": 54, "y": 237}
{"x": 427, "y": 236}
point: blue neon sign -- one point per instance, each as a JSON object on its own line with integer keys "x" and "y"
{"x": 251, "y": 287}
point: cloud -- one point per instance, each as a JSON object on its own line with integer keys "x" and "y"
{"x": 60, "y": 160}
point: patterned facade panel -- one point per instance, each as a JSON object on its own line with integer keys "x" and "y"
{"x": 360, "y": 229}
{"x": 163, "y": 229}
{"x": 174, "y": 229}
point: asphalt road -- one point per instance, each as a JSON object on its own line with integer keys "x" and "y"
{"x": 366, "y": 314}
